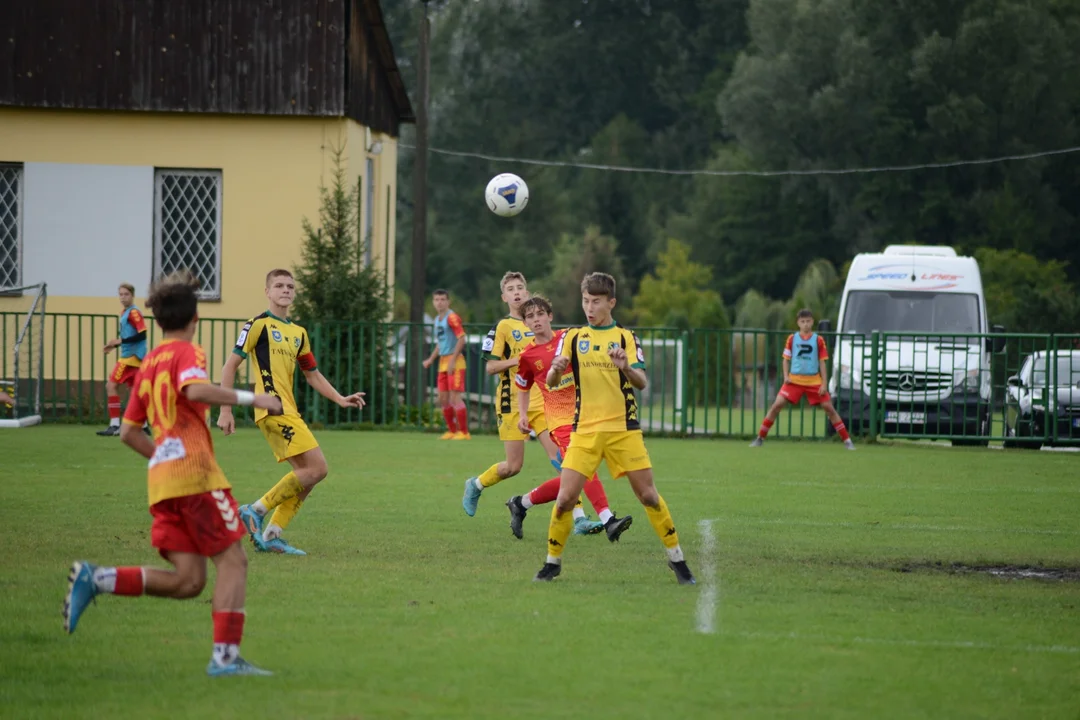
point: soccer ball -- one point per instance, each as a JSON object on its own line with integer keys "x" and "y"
{"x": 506, "y": 195}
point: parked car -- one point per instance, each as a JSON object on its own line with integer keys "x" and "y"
{"x": 1042, "y": 401}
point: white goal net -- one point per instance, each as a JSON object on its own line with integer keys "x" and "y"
{"x": 25, "y": 362}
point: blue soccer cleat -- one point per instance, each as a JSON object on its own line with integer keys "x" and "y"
{"x": 557, "y": 463}
{"x": 281, "y": 545}
{"x": 239, "y": 666}
{"x": 585, "y": 526}
{"x": 81, "y": 591}
{"x": 471, "y": 497}
{"x": 253, "y": 523}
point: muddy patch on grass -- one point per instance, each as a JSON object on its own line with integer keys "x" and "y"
{"x": 1007, "y": 572}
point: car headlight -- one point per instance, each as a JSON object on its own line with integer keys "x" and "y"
{"x": 966, "y": 379}
{"x": 845, "y": 377}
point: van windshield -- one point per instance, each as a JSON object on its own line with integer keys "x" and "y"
{"x": 917, "y": 312}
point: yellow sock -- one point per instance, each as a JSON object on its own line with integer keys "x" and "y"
{"x": 287, "y": 487}
{"x": 660, "y": 519}
{"x": 490, "y": 476}
{"x": 285, "y": 512}
{"x": 559, "y": 532}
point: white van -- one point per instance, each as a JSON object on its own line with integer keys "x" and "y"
{"x": 929, "y": 385}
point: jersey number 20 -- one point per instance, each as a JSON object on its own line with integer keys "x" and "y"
{"x": 159, "y": 399}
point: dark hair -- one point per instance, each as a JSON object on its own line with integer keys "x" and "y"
{"x": 536, "y": 302}
{"x": 277, "y": 272}
{"x": 805, "y": 312}
{"x": 440, "y": 291}
{"x": 511, "y": 275}
{"x": 127, "y": 286}
{"x": 173, "y": 301}
{"x": 598, "y": 283}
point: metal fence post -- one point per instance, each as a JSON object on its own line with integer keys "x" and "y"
{"x": 875, "y": 342}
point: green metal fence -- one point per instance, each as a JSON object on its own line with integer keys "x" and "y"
{"x": 1023, "y": 390}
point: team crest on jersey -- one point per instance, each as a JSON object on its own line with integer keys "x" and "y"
{"x": 583, "y": 346}
{"x": 539, "y": 364}
{"x": 296, "y": 342}
{"x": 517, "y": 335}
{"x": 276, "y": 334}
{"x": 612, "y": 345}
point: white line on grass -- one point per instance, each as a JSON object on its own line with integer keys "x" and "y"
{"x": 898, "y": 526}
{"x": 709, "y": 596}
{"x": 878, "y": 487}
{"x": 946, "y": 644}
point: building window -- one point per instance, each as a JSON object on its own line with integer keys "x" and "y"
{"x": 369, "y": 212}
{"x": 187, "y": 226}
{"x": 11, "y": 182}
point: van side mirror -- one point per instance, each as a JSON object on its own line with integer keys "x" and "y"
{"x": 824, "y": 326}
{"x": 996, "y": 344}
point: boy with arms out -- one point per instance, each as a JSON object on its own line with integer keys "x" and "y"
{"x": 195, "y": 516}
{"x": 502, "y": 347}
{"x": 132, "y": 344}
{"x": 278, "y": 345}
{"x": 533, "y": 366}
{"x": 804, "y": 362}
{"x": 449, "y": 345}
{"x": 607, "y": 364}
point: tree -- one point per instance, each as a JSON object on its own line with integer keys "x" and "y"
{"x": 1026, "y": 295}
{"x": 342, "y": 300}
{"x": 679, "y": 293}
{"x": 572, "y": 259}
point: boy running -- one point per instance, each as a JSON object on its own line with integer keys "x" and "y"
{"x": 804, "y": 360}
{"x": 195, "y": 516}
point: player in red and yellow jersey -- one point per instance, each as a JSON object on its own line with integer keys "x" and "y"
{"x": 805, "y": 354}
{"x": 559, "y": 404}
{"x": 449, "y": 350}
{"x": 195, "y": 516}
{"x": 132, "y": 344}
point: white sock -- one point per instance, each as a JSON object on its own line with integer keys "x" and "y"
{"x": 260, "y": 507}
{"x": 105, "y": 579}
{"x": 526, "y": 501}
{"x": 478, "y": 484}
{"x": 675, "y": 554}
{"x": 578, "y": 513}
{"x": 225, "y": 653}
{"x": 606, "y": 515}
{"x": 114, "y": 422}
{"x": 554, "y": 560}
{"x": 273, "y": 531}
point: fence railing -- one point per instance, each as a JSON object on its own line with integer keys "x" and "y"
{"x": 1020, "y": 389}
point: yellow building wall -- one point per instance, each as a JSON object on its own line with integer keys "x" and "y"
{"x": 272, "y": 169}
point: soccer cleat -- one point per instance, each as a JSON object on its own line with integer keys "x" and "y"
{"x": 848, "y": 445}
{"x": 81, "y": 590}
{"x": 557, "y": 464}
{"x": 448, "y": 435}
{"x": 616, "y": 526}
{"x": 253, "y": 523}
{"x": 758, "y": 442}
{"x": 239, "y": 666}
{"x": 111, "y": 431}
{"x": 549, "y": 572}
{"x": 517, "y": 515}
{"x": 281, "y": 546}
{"x": 682, "y": 572}
{"x": 471, "y": 497}
{"x": 585, "y": 526}
{"x": 461, "y": 436}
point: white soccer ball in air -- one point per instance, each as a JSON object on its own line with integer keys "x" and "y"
{"x": 506, "y": 195}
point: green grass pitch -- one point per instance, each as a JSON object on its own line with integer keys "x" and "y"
{"x": 829, "y": 595}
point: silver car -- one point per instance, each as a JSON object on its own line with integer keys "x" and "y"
{"x": 1042, "y": 401}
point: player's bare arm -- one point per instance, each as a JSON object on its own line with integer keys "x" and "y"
{"x": 523, "y": 411}
{"x": 636, "y": 376}
{"x": 787, "y": 370}
{"x": 558, "y": 369}
{"x": 494, "y": 367}
{"x": 226, "y": 420}
{"x": 5, "y": 398}
{"x": 322, "y": 386}
{"x": 111, "y": 345}
{"x": 432, "y": 357}
{"x": 451, "y": 364}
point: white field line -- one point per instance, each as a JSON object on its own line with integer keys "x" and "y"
{"x": 709, "y": 596}
{"x": 944, "y": 644}
{"x": 914, "y": 527}
{"x": 935, "y": 488}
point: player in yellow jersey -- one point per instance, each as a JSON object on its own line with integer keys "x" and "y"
{"x": 607, "y": 364}
{"x": 502, "y": 346}
{"x": 278, "y": 346}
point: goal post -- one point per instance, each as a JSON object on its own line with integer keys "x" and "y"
{"x": 24, "y": 377}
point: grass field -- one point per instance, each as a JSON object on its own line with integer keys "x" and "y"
{"x": 826, "y": 591}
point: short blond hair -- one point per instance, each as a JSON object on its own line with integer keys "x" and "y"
{"x": 278, "y": 272}
{"x": 511, "y": 275}
{"x": 128, "y": 286}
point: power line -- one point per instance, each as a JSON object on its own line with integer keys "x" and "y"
{"x": 746, "y": 173}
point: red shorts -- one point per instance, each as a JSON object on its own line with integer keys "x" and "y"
{"x": 794, "y": 393}
{"x": 123, "y": 374}
{"x": 205, "y": 524}
{"x": 561, "y": 436}
{"x": 452, "y": 383}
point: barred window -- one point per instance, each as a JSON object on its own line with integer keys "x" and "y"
{"x": 187, "y": 226}
{"x": 11, "y": 183}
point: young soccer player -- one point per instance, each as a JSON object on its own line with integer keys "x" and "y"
{"x": 449, "y": 345}
{"x": 195, "y": 516}
{"x": 132, "y": 344}
{"x": 533, "y": 366}
{"x": 607, "y": 364}
{"x": 503, "y": 344}
{"x": 804, "y": 362}
{"x": 278, "y": 346}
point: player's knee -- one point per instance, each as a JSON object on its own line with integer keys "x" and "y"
{"x": 189, "y": 586}
{"x": 565, "y": 504}
{"x": 513, "y": 467}
{"x": 649, "y": 497}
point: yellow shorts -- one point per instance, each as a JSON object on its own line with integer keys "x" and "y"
{"x": 288, "y": 435}
{"x": 508, "y": 424}
{"x": 624, "y": 452}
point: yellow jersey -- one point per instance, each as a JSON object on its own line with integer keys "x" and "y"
{"x": 505, "y": 341}
{"x": 605, "y": 397}
{"x": 278, "y": 346}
